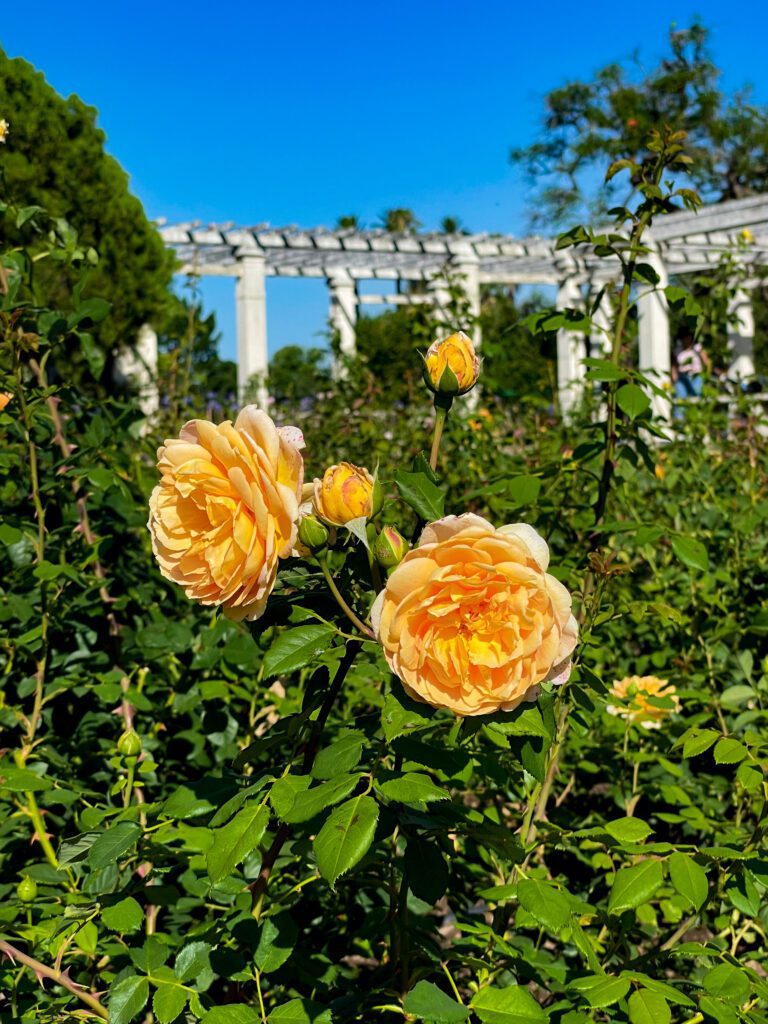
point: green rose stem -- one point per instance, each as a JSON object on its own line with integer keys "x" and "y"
{"x": 537, "y": 803}
{"x": 352, "y": 616}
{"x": 259, "y": 886}
{"x": 59, "y": 977}
{"x": 442, "y": 405}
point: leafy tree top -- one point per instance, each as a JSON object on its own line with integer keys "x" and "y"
{"x": 55, "y": 158}
{"x": 588, "y": 124}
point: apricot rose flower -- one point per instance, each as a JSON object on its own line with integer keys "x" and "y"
{"x": 470, "y": 620}
{"x": 226, "y": 509}
{"x": 635, "y": 695}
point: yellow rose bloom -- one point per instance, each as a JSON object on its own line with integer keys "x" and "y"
{"x": 226, "y": 509}
{"x": 633, "y": 692}
{"x": 470, "y": 620}
{"x": 456, "y": 354}
{"x": 4, "y": 128}
{"x": 5, "y": 397}
{"x": 344, "y": 493}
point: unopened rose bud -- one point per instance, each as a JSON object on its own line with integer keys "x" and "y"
{"x": 346, "y": 492}
{"x": 451, "y": 366}
{"x": 312, "y": 533}
{"x": 390, "y": 548}
{"x": 129, "y": 744}
{"x": 26, "y": 890}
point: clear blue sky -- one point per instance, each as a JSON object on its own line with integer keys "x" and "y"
{"x": 296, "y": 112}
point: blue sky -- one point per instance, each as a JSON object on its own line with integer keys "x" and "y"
{"x": 294, "y": 113}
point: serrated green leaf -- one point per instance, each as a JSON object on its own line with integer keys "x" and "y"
{"x": 296, "y": 648}
{"x": 234, "y": 841}
{"x": 691, "y": 553}
{"x": 276, "y": 942}
{"x": 294, "y": 801}
{"x": 511, "y": 1005}
{"x": 409, "y": 788}
{"x": 628, "y": 830}
{"x": 300, "y": 1011}
{"x": 110, "y": 846}
{"x": 340, "y": 757}
{"x": 635, "y": 885}
{"x": 646, "y": 1007}
{"x": 632, "y": 400}
{"x": 427, "y": 1002}
{"x": 346, "y": 837}
{"x": 544, "y": 902}
{"x": 125, "y": 916}
{"x": 168, "y": 1002}
{"x": 688, "y": 878}
{"x": 729, "y": 751}
{"x": 127, "y": 999}
{"x": 417, "y": 490}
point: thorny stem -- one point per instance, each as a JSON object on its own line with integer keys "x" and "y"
{"x": 259, "y": 886}
{"x": 60, "y": 977}
{"x": 351, "y": 615}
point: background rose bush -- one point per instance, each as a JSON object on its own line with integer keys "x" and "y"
{"x": 429, "y": 868}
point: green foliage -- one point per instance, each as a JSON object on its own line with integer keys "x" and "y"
{"x": 297, "y": 840}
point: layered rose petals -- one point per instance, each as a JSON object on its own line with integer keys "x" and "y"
{"x": 635, "y": 696}
{"x": 471, "y": 621}
{"x": 226, "y": 509}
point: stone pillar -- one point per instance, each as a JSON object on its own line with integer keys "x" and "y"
{"x": 570, "y": 351}
{"x": 343, "y": 316}
{"x": 251, "y": 299}
{"x": 653, "y": 329}
{"x": 741, "y": 333}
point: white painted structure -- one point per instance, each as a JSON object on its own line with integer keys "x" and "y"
{"x": 682, "y": 243}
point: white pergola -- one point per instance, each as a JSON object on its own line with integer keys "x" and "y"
{"x": 681, "y": 243}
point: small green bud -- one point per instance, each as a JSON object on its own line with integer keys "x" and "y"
{"x": 26, "y": 890}
{"x": 377, "y": 497}
{"x": 312, "y": 533}
{"x": 390, "y": 548}
{"x": 129, "y": 744}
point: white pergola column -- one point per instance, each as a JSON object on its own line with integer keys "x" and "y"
{"x": 437, "y": 287}
{"x": 251, "y": 300}
{"x": 343, "y": 315}
{"x": 602, "y": 322}
{"x": 570, "y": 351}
{"x": 468, "y": 269}
{"x": 655, "y": 354}
{"x": 741, "y": 334}
{"x": 137, "y": 367}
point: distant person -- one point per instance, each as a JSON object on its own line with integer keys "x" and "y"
{"x": 688, "y": 367}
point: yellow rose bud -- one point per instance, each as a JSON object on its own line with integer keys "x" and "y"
{"x": 346, "y": 492}
{"x": 4, "y": 127}
{"x": 451, "y": 366}
{"x": 390, "y": 547}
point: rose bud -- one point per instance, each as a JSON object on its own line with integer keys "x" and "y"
{"x": 26, "y": 890}
{"x": 451, "y": 366}
{"x": 390, "y": 548}
{"x": 129, "y": 744}
{"x": 312, "y": 533}
{"x": 346, "y": 492}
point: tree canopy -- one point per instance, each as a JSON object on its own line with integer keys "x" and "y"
{"x": 589, "y": 124}
{"x": 55, "y": 158}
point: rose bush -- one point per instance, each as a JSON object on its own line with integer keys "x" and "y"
{"x": 253, "y": 823}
